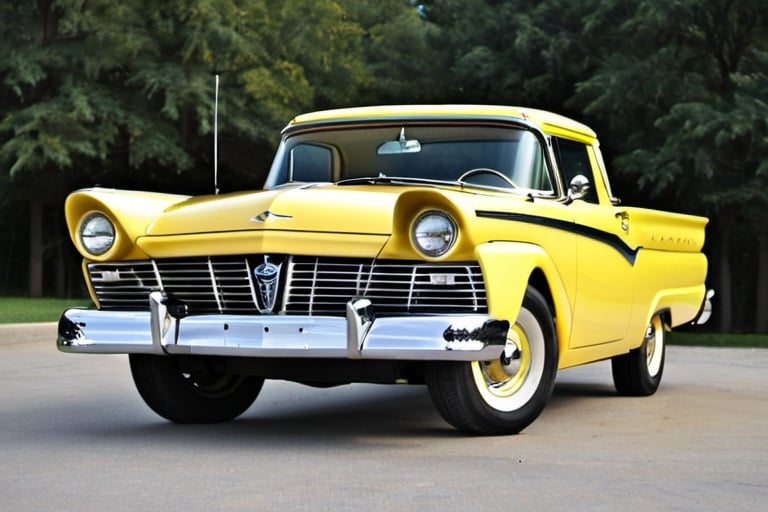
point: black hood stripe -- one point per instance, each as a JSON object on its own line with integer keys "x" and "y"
{"x": 609, "y": 239}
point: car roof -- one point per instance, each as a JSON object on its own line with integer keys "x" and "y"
{"x": 549, "y": 122}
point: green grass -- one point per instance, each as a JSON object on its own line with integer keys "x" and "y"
{"x": 706, "y": 339}
{"x": 19, "y": 310}
{"x": 25, "y": 310}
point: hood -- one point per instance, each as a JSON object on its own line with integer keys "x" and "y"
{"x": 326, "y": 208}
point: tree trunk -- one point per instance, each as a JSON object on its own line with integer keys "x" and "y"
{"x": 35, "y": 248}
{"x": 761, "y": 314}
{"x": 61, "y": 271}
{"x": 10, "y": 263}
{"x": 725, "y": 294}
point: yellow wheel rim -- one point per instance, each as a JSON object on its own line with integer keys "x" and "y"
{"x": 504, "y": 380}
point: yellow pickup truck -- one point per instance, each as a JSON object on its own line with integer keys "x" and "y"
{"x": 475, "y": 249}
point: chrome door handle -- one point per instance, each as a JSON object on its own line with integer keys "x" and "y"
{"x": 624, "y": 217}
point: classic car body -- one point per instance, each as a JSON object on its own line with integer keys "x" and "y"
{"x": 477, "y": 249}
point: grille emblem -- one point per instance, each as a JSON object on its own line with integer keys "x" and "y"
{"x": 267, "y": 277}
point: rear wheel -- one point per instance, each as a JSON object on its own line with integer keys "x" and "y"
{"x": 639, "y": 372}
{"x": 193, "y": 394}
{"x": 505, "y": 395}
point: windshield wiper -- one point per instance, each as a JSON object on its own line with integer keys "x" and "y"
{"x": 393, "y": 180}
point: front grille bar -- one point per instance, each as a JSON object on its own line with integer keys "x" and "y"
{"x": 215, "y": 285}
{"x": 250, "y": 281}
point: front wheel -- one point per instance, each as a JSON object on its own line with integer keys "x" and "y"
{"x": 194, "y": 393}
{"x": 639, "y": 372}
{"x": 501, "y": 396}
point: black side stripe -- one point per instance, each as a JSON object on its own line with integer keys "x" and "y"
{"x": 610, "y": 239}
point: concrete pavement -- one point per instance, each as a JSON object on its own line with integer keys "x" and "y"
{"x": 28, "y": 333}
{"x": 75, "y": 435}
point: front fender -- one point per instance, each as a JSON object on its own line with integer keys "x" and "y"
{"x": 130, "y": 211}
{"x": 508, "y": 269}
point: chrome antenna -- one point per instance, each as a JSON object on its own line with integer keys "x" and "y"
{"x": 216, "y": 139}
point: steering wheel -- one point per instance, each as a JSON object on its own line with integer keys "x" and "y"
{"x": 487, "y": 170}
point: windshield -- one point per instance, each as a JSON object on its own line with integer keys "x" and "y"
{"x": 485, "y": 156}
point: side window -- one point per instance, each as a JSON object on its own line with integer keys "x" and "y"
{"x": 573, "y": 159}
{"x": 310, "y": 163}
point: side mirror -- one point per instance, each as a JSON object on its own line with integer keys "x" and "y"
{"x": 578, "y": 187}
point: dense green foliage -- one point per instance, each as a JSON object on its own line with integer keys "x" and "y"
{"x": 122, "y": 94}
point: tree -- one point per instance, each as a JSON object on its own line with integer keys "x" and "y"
{"x": 512, "y": 51}
{"x": 274, "y": 60}
{"x": 56, "y": 112}
{"x": 403, "y": 62}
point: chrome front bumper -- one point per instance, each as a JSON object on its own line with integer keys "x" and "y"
{"x": 358, "y": 336}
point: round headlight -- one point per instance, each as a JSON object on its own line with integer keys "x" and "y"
{"x": 434, "y": 233}
{"x": 97, "y": 234}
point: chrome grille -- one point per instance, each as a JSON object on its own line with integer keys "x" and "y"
{"x": 309, "y": 285}
{"x": 124, "y": 285}
{"x": 323, "y": 287}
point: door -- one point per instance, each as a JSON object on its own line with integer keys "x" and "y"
{"x": 604, "y": 259}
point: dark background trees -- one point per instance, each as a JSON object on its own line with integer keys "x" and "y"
{"x": 121, "y": 94}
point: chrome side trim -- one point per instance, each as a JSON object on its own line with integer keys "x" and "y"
{"x": 359, "y": 336}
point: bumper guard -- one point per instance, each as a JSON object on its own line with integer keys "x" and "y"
{"x": 706, "y": 309}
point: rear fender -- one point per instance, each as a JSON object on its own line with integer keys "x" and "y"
{"x": 507, "y": 270}
{"x": 681, "y": 304}
{"x": 668, "y": 282}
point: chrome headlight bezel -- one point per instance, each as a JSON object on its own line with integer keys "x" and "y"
{"x": 434, "y": 233}
{"x": 96, "y": 234}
